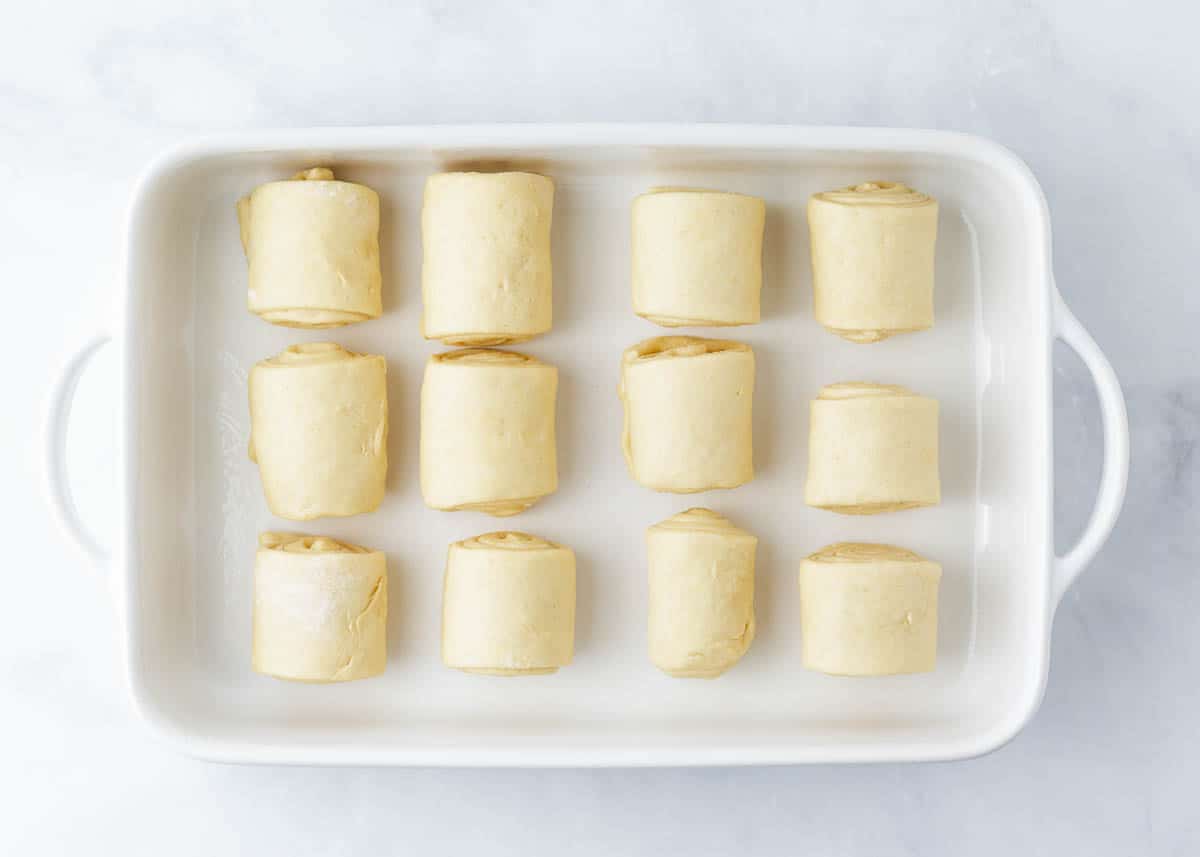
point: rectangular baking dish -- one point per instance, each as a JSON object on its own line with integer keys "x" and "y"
{"x": 192, "y": 504}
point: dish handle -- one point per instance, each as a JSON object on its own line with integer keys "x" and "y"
{"x": 1115, "y": 469}
{"x": 58, "y": 485}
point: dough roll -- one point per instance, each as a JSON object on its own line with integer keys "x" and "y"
{"x": 487, "y": 431}
{"x": 701, "y": 593}
{"x": 872, "y": 448}
{"x": 312, "y": 244}
{"x": 872, "y": 259}
{"x": 318, "y": 430}
{"x": 486, "y": 276}
{"x": 688, "y": 413}
{"x": 697, "y": 257}
{"x": 508, "y": 607}
{"x": 320, "y": 609}
{"x": 868, "y": 610}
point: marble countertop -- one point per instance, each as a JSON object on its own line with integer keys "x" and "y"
{"x": 1096, "y": 97}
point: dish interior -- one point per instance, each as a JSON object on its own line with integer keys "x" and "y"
{"x": 196, "y": 505}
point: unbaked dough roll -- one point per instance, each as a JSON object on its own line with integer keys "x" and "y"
{"x": 868, "y": 610}
{"x": 320, "y": 609}
{"x": 701, "y": 593}
{"x": 312, "y": 244}
{"x": 486, "y": 276}
{"x": 872, "y": 259}
{"x": 697, "y": 257}
{"x": 487, "y": 431}
{"x": 872, "y": 448}
{"x": 318, "y": 430}
{"x": 688, "y": 413}
{"x": 508, "y": 607}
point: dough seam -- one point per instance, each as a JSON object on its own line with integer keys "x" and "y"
{"x": 495, "y": 508}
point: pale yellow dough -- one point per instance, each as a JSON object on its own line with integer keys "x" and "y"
{"x": 487, "y": 431}
{"x": 872, "y": 448}
{"x": 872, "y": 259}
{"x": 320, "y": 609}
{"x": 318, "y": 430}
{"x": 508, "y": 607}
{"x": 697, "y": 257}
{"x": 312, "y": 244}
{"x": 701, "y": 593}
{"x": 868, "y": 610}
{"x": 688, "y": 413}
{"x": 486, "y": 276}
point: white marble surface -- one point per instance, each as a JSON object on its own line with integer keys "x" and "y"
{"x": 1097, "y": 96}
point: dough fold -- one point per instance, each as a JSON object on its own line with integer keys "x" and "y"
{"x": 872, "y": 448}
{"x": 697, "y": 257}
{"x": 872, "y": 259}
{"x": 320, "y": 609}
{"x": 486, "y": 276}
{"x": 688, "y": 413}
{"x": 868, "y": 610}
{"x": 312, "y": 245}
{"x": 318, "y": 430}
{"x": 701, "y": 593}
{"x": 508, "y": 607}
{"x": 487, "y": 431}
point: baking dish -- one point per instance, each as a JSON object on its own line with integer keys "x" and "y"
{"x": 191, "y": 504}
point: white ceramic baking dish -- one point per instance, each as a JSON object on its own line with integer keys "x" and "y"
{"x": 191, "y": 502}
